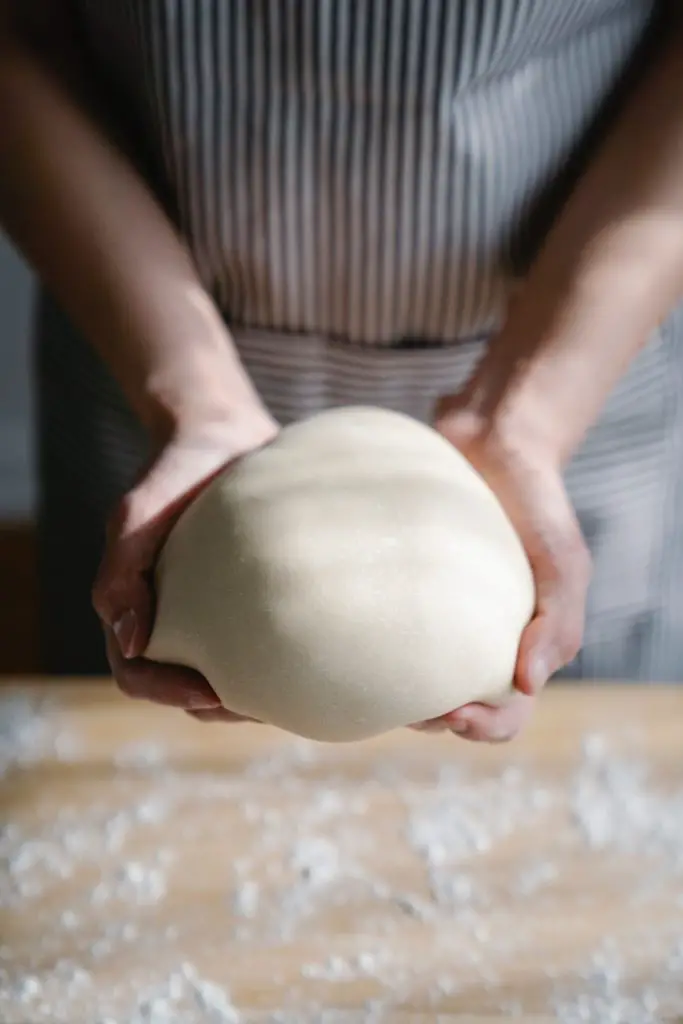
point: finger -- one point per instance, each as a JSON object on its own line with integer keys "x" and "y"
{"x": 218, "y": 715}
{"x": 489, "y": 724}
{"x": 122, "y": 600}
{"x": 560, "y": 562}
{"x": 171, "y": 685}
{"x": 167, "y": 685}
{"x": 121, "y": 593}
{"x": 553, "y": 637}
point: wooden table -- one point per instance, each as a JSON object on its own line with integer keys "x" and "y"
{"x": 157, "y": 870}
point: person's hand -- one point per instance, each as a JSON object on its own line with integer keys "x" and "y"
{"x": 123, "y": 595}
{"x": 528, "y": 482}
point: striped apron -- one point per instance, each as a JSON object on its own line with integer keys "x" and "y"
{"x": 362, "y": 184}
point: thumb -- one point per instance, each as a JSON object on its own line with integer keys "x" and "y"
{"x": 554, "y": 635}
{"x": 122, "y": 593}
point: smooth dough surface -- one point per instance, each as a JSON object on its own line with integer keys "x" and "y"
{"x": 354, "y": 576}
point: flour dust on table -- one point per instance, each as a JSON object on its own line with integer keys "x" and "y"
{"x": 167, "y": 882}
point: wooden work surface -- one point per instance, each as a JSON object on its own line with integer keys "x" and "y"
{"x": 152, "y": 865}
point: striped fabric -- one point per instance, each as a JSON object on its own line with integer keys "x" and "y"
{"x": 360, "y": 168}
{"x": 362, "y": 183}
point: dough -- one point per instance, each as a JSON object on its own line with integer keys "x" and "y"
{"x": 354, "y": 576}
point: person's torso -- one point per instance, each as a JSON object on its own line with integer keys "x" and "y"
{"x": 362, "y": 169}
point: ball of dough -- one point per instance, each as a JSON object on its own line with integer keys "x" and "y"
{"x": 354, "y": 576}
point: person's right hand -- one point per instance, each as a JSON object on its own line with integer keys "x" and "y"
{"x": 123, "y": 592}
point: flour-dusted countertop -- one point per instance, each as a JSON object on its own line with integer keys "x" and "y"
{"x": 155, "y": 870}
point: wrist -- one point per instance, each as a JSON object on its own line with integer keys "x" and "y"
{"x": 216, "y": 411}
{"x": 546, "y": 375}
{"x": 507, "y": 405}
{"x": 492, "y": 436}
{"x": 194, "y": 384}
{"x": 210, "y": 399}
{"x": 236, "y": 429}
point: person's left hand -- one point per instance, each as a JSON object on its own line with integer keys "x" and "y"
{"x": 528, "y": 482}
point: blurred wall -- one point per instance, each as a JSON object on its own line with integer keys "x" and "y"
{"x": 17, "y": 486}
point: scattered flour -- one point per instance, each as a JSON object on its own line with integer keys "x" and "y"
{"x": 616, "y": 807}
{"x": 315, "y": 850}
{"x": 26, "y": 735}
{"x": 607, "y": 997}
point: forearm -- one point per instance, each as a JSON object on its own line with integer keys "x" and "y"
{"x": 609, "y": 273}
{"x": 78, "y": 210}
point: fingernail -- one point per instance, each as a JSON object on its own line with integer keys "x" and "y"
{"x": 125, "y": 629}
